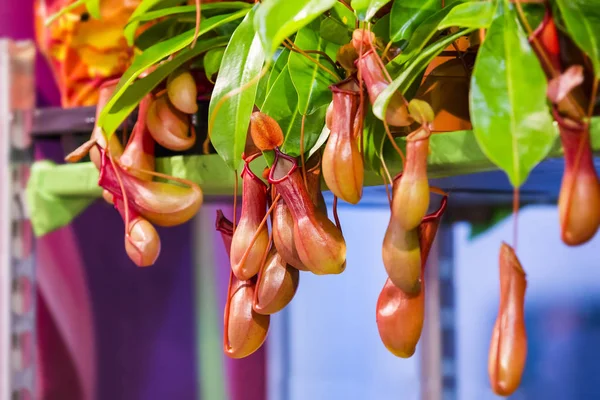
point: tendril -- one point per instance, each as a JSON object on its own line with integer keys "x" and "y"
{"x": 197, "y": 29}
{"x": 515, "y": 216}
{"x": 235, "y": 195}
{"x": 302, "y": 151}
{"x": 385, "y": 183}
{"x": 335, "y": 213}
{"x": 260, "y": 226}
{"x": 394, "y": 144}
{"x": 292, "y": 47}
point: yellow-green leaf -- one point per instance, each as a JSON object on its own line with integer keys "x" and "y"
{"x": 275, "y": 20}
{"x": 233, "y": 96}
{"x": 582, "y": 18}
{"x": 510, "y": 116}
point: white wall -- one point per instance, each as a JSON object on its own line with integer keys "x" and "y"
{"x": 335, "y": 352}
{"x": 563, "y": 287}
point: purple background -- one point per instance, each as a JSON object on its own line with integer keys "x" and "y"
{"x": 143, "y": 318}
{"x": 107, "y": 329}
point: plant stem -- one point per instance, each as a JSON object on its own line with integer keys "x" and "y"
{"x": 292, "y": 47}
{"x": 302, "y": 151}
{"x": 515, "y": 216}
{"x": 235, "y": 189}
{"x": 335, "y": 213}
{"x": 389, "y": 135}
{"x": 593, "y": 98}
{"x": 387, "y": 190}
{"x": 260, "y": 226}
{"x": 197, "y": 29}
{"x": 322, "y": 54}
{"x": 544, "y": 57}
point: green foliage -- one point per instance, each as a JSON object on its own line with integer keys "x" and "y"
{"x": 92, "y": 7}
{"x": 212, "y": 62}
{"x": 145, "y": 6}
{"x": 112, "y": 116}
{"x": 407, "y": 15}
{"x": 470, "y": 15}
{"x": 582, "y": 18}
{"x": 374, "y": 138}
{"x": 334, "y": 31}
{"x": 308, "y": 76}
{"x": 282, "y": 105}
{"x": 232, "y": 100}
{"x": 510, "y": 116}
{"x": 366, "y": 9}
{"x": 275, "y": 20}
{"x": 132, "y": 94}
{"x": 422, "y": 35}
{"x": 255, "y": 66}
{"x": 411, "y": 72}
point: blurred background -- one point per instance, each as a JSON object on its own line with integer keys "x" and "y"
{"x": 109, "y": 331}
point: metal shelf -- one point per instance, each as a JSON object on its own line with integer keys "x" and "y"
{"x": 490, "y": 187}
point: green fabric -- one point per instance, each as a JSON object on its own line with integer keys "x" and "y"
{"x": 58, "y": 193}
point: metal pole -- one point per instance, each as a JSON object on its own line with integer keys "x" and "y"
{"x": 437, "y": 342}
{"x": 17, "y": 273}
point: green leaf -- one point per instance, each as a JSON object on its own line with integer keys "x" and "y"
{"x": 422, "y": 35}
{"x": 281, "y": 104}
{"x": 93, "y": 7}
{"x": 133, "y": 94}
{"x": 381, "y": 28}
{"x": 374, "y": 137}
{"x": 321, "y": 140}
{"x": 535, "y": 13}
{"x": 275, "y": 20}
{"x": 261, "y": 91}
{"x": 186, "y": 10}
{"x": 407, "y": 15}
{"x": 212, "y": 62}
{"x": 154, "y": 54}
{"x": 412, "y": 71}
{"x": 268, "y": 79}
{"x": 477, "y": 14}
{"x": 313, "y": 127}
{"x": 366, "y": 9}
{"x": 582, "y": 18}
{"x": 344, "y": 15}
{"x": 239, "y": 72}
{"x": 334, "y": 31}
{"x": 310, "y": 80}
{"x": 155, "y": 33}
{"x": 280, "y": 63}
{"x": 143, "y": 7}
{"x": 510, "y": 116}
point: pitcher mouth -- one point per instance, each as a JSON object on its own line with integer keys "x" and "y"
{"x": 248, "y": 171}
{"x": 439, "y": 212}
{"x": 291, "y": 159}
{"x": 222, "y": 224}
{"x": 341, "y": 86}
{"x": 567, "y": 123}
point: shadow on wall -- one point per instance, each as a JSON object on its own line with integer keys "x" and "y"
{"x": 562, "y": 309}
